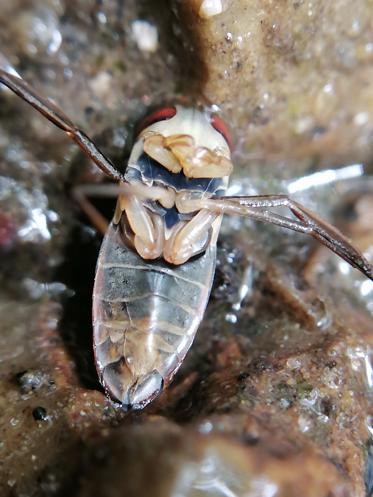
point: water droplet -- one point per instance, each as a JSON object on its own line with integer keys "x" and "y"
{"x": 101, "y": 17}
{"x": 145, "y": 35}
{"x": 361, "y": 118}
{"x": 293, "y": 363}
{"x": 304, "y": 424}
{"x": 205, "y": 427}
{"x": 231, "y": 318}
{"x": 39, "y": 414}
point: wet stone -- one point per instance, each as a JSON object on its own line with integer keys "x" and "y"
{"x": 257, "y": 63}
{"x": 29, "y": 381}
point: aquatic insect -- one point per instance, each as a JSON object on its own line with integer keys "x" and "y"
{"x": 157, "y": 260}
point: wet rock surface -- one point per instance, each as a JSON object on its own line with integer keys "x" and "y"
{"x": 274, "y": 397}
{"x": 201, "y": 464}
{"x": 298, "y": 72}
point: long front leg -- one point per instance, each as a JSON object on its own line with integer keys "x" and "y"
{"x": 257, "y": 207}
{"x": 59, "y": 119}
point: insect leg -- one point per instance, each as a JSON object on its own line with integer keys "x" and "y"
{"x": 257, "y": 207}
{"x": 59, "y": 119}
{"x": 142, "y": 228}
{"x": 81, "y": 193}
{"x": 145, "y": 227}
{"x": 190, "y": 238}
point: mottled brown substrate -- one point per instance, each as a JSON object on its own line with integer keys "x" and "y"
{"x": 186, "y": 462}
{"x": 294, "y": 78}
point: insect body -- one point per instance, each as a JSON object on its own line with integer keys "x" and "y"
{"x": 156, "y": 264}
{"x": 146, "y": 313}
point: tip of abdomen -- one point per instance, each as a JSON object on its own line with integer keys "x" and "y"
{"x": 129, "y": 391}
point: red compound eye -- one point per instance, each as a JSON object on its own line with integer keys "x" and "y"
{"x": 222, "y": 128}
{"x": 161, "y": 114}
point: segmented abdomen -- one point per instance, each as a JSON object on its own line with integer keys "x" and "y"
{"x": 146, "y": 315}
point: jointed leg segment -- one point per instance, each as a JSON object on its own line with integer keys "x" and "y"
{"x": 258, "y": 208}
{"x": 147, "y": 225}
{"x": 59, "y": 119}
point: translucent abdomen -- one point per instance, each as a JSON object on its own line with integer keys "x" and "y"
{"x": 145, "y": 316}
